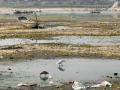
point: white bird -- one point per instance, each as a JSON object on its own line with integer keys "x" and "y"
{"x": 102, "y": 84}
{"x": 96, "y": 86}
{"x": 78, "y": 86}
{"x": 60, "y": 62}
{"x": 50, "y": 79}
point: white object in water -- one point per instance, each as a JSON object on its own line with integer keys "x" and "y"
{"x": 106, "y": 83}
{"x": 21, "y": 84}
{"x": 60, "y": 62}
{"x": 51, "y": 82}
{"x": 102, "y": 84}
{"x": 50, "y": 77}
{"x": 24, "y": 84}
{"x": 96, "y": 86}
{"x": 78, "y": 86}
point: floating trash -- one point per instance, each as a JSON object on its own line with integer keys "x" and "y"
{"x": 21, "y": 84}
{"x": 25, "y": 84}
{"x": 51, "y": 82}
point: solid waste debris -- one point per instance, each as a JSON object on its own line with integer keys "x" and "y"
{"x": 78, "y": 86}
{"x": 102, "y": 84}
{"x": 25, "y": 84}
{"x": 21, "y": 84}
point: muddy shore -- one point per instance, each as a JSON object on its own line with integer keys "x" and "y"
{"x": 29, "y": 51}
{"x": 81, "y": 30}
{"x": 65, "y": 86}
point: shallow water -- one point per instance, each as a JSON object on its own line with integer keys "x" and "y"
{"x": 92, "y": 40}
{"x": 81, "y": 69}
{"x": 15, "y": 41}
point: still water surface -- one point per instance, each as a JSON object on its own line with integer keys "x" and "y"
{"x": 80, "y": 69}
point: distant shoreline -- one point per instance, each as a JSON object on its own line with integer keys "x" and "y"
{"x": 63, "y": 10}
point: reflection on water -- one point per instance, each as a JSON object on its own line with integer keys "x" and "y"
{"x": 92, "y": 40}
{"x": 75, "y": 69}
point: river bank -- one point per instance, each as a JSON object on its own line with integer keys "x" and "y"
{"x": 58, "y": 50}
{"x": 25, "y": 52}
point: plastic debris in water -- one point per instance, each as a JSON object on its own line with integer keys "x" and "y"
{"x": 103, "y": 84}
{"x": 21, "y": 84}
{"x": 24, "y": 84}
{"x": 51, "y": 82}
{"x": 78, "y": 86}
{"x": 50, "y": 77}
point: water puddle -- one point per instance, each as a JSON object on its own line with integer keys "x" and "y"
{"x": 15, "y": 41}
{"x": 92, "y": 40}
{"x": 81, "y": 69}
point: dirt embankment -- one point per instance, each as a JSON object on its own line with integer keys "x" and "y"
{"x": 58, "y": 50}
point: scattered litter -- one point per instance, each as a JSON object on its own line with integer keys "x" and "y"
{"x": 96, "y": 86}
{"x": 103, "y": 84}
{"x": 50, "y": 77}
{"x": 78, "y": 86}
{"x": 25, "y": 84}
{"x": 51, "y": 82}
{"x": 106, "y": 83}
{"x": 21, "y": 84}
